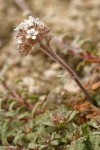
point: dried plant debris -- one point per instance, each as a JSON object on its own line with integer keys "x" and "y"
{"x": 58, "y": 128}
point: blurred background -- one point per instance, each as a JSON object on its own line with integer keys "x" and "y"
{"x": 75, "y": 25}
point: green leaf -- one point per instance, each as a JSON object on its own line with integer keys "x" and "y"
{"x": 18, "y": 138}
{"x": 32, "y": 146}
{"x": 95, "y": 141}
{"x": 93, "y": 123}
{"x": 4, "y": 134}
{"x": 78, "y": 145}
{"x": 55, "y": 142}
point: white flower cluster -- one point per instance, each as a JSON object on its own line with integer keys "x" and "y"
{"x": 30, "y": 32}
{"x": 29, "y": 22}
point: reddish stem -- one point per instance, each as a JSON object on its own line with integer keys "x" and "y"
{"x": 54, "y": 55}
{"x": 22, "y": 4}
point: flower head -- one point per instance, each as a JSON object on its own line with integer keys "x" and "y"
{"x": 29, "y": 33}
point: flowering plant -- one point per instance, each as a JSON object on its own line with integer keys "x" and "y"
{"x": 31, "y": 32}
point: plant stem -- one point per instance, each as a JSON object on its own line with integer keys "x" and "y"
{"x": 65, "y": 66}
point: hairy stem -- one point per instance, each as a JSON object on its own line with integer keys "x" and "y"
{"x": 65, "y": 66}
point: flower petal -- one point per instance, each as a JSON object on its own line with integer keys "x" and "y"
{"x": 33, "y": 37}
{"x": 28, "y": 36}
{"x": 36, "y": 32}
{"x": 32, "y": 30}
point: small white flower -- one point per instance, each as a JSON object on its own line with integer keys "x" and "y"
{"x": 25, "y": 27}
{"x": 31, "y": 33}
{"x": 37, "y": 22}
{"x": 32, "y": 30}
{"x": 31, "y": 18}
{"x": 35, "y": 32}
{"x": 28, "y": 31}
{"x": 28, "y": 36}
{"x": 33, "y": 37}
{"x": 19, "y": 41}
{"x": 30, "y": 22}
